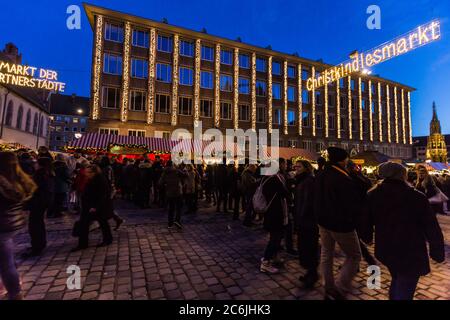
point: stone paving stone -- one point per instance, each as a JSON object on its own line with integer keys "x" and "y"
{"x": 205, "y": 261}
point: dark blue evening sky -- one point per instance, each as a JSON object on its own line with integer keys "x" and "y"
{"x": 315, "y": 29}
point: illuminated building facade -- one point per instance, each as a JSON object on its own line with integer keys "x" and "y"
{"x": 436, "y": 146}
{"x": 149, "y": 78}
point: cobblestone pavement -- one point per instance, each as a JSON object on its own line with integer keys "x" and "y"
{"x": 212, "y": 258}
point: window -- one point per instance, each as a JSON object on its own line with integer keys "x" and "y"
{"x": 343, "y": 102}
{"x": 83, "y": 129}
{"x": 139, "y": 68}
{"x": 59, "y": 118}
{"x": 163, "y": 72}
{"x": 261, "y": 89}
{"x": 373, "y": 88}
{"x": 136, "y": 133}
{"x": 164, "y": 43}
{"x": 307, "y": 145}
{"x": 318, "y": 97}
{"x": 363, "y": 86}
{"x": 343, "y": 123}
{"x": 341, "y": 83}
{"x": 292, "y": 143}
{"x": 113, "y": 32}
{"x": 225, "y": 110}
{"x": 206, "y": 108}
{"x": 276, "y": 68}
{"x": 67, "y": 120}
{"x": 291, "y": 117}
{"x": 260, "y": 114}
{"x": 9, "y": 114}
{"x": 331, "y": 100}
{"x": 206, "y": 79}
{"x": 305, "y": 74}
{"x": 140, "y": 38}
{"x": 186, "y": 48}
{"x": 305, "y": 96}
{"x": 291, "y": 94}
{"x": 185, "y": 106}
{"x": 305, "y": 119}
{"x": 244, "y": 85}
{"x": 261, "y": 64}
{"x": 354, "y": 104}
{"x": 226, "y": 83}
{"x": 114, "y": 132}
{"x": 226, "y": 57}
{"x": 352, "y": 84}
{"x": 74, "y": 129}
{"x": 83, "y": 120}
{"x": 162, "y": 103}
{"x": 276, "y": 91}
{"x": 354, "y": 125}
{"x": 186, "y": 76}
{"x": 28, "y": 121}
{"x": 244, "y": 112}
{"x": 331, "y": 122}
{"x": 66, "y": 129}
{"x": 207, "y": 53}
{"x": 244, "y": 61}
{"x": 364, "y": 123}
{"x": 112, "y": 64}
{"x": 277, "y": 116}
{"x": 363, "y": 104}
{"x": 111, "y": 97}
{"x": 291, "y": 72}
{"x": 75, "y": 120}
{"x": 319, "y": 121}
{"x": 138, "y": 100}
{"x": 372, "y": 107}
{"x": 19, "y": 118}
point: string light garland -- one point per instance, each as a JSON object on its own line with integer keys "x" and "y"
{"x": 299, "y": 99}
{"x": 126, "y": 72}
{"x": 370, "y": 111}
{"x": 236, "y": 89}
{"x": 97, "y": 68}
{"x": 285, "y": 97}
{"x": 217, "y": 88}
{"x": 403, "y": 117}
{"x": 409, "y": 117}
{"x": 349, "y": 97}
{"x": 151, "y": 77}
{"x": 361, "y": 131}
{"x": 338, "y": 109}
{"x": 380, "y": 112}
{"x": 313, "y": 105}
{"x": 396, "y": 114}
{"x": 326, "y": 109}
{"x": 175, "y": 80}
{"x": 388, "y": 114}
{"x": 253, "y": 98}
{"x": 270, "y": 95}
{"x": 197, "y": 82}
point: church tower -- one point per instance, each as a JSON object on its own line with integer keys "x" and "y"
{"x": 436, "y": 148}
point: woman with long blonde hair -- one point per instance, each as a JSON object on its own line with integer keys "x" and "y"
{"x": 16, "y": 187}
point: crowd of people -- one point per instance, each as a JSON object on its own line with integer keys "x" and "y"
{"x": 306, "y": 211}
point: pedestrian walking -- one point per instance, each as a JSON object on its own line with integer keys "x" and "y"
{"x": 249, "y": 184}
{"x": 62, "y": 185}
{"x": 172, "y": 181}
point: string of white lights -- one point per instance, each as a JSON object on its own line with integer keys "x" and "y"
{"x": 197, "y": 82}
{"x": 236, "y": 89}
{"x": 299, "y": 99}
{"x": 396, "y": 115}
{"x": 313, "y": 105}
{"x": 126, "y": 72}
{"x": 380, "y": 113}
{"x": 97, "y": 68}
{"x": 338, "y": 110}
{"x": 253, "y": 89}
{"x": 269, "y": 95}
{"x": 151, "y": 77}
{"x": 349, "y": 97}
{"x": 175, "y": 81}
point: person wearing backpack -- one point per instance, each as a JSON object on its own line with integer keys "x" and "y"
{"x": 276, "y": 195}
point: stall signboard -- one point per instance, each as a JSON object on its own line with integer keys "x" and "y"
{"x": 124, "y": 149}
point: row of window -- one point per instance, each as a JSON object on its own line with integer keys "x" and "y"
{"x": 68, "y": 129}
{"x": 38, "y": 126}
{"x": 68, "y": 120}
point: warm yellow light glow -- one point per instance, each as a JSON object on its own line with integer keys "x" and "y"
{"x": 396, "y": 115}
{"x": 217, "y": 88}
{"x": 197, "y": 82}
{"x": 313, "y": 106}
{"x": 151, "y": 77}
{"x": 380, "y": 112}
{"x": 370, "y": 111}
{"x": 97, "y": 68}
{"x": 361, "y": 133}
{"x": 326, "y": 110}
{"x": 299, "y": 98}
{"x": 269, "y": 95}
{"x": 388, "y": 114}
{"x": 403, "y": 118}
{"x": 409, "y": 117}
{"x": 285, "y": 97}
{"x": 349, "y": 96}
{"x": 253, "y": 99}
{"x": 236, "y": 89}
{"x": 175, "y": 81}
{"x": 126, "y": 72}
{"x": 338, "y": 110}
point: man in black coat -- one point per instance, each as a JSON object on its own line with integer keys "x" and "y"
{"x": 337, "y": 210}
{"x": 404, "y": 223}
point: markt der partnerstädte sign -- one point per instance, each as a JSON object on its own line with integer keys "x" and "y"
{"x": 30, "y": 77}
{"x": 420, "y": 36}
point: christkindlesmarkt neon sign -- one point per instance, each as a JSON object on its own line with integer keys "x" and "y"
{"x": 418, "y": 37}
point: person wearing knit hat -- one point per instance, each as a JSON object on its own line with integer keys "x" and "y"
{"x": 407, "y": 232}
{"x": 336, "y": 155}
{"x": 392, "y": 170}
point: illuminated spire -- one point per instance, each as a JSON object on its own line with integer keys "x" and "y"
{"x": 435, "y": 125}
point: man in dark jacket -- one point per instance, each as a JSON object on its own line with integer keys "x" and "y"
{"x": 222, "y": 186}
{"x": 249, "y": 184}
{"x": 337, "y": 211}
{"x": 277, "y": 195}
{"x": 404, "y": 223}
{"x": 172, "y": 181}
